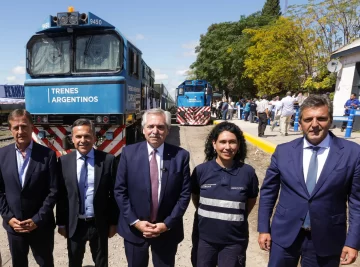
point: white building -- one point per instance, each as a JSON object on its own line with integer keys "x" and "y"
{"x": 348, "y": 77}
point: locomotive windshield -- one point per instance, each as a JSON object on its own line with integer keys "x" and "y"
{"x": 48, "y": 56}
{"x": 74, "y": 54}
{"x": 197, "y": 88}
{"x": 97, "y": 53}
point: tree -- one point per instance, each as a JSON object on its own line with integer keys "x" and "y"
{"x": 271, "y": 8}
{"x": 221, "y": 55}
{"x": 283, "y": 57}
{"x": 335, "y": 22}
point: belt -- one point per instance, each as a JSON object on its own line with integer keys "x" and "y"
{"x": 307, "y": 229}
{"x": 88, "y": 219}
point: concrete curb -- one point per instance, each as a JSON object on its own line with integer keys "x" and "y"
{"x": 266, "y": 146}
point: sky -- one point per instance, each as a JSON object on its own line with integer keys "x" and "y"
{"x": 165, "y": 31}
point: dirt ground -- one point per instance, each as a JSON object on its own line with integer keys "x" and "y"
{"x": 192, "y": 139}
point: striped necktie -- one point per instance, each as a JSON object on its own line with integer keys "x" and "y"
{"x": 154, "y": 178}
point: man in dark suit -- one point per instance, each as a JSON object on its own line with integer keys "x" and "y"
{"x": 28, "y": 191}
{"x": 87, "y": 210}
{"x": 152, "y": 190}
{"x": 319, "y": 175}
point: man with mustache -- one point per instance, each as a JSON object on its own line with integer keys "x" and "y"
{"x": 152, "y": 191}
{"x": 86, "y": 210}
{"x": 318, "y": 176}
{"x": 28, "y": 191}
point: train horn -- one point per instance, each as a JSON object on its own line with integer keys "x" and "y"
{"x": 83, "y": 17}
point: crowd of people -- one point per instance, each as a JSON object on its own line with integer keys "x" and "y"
{"x": 279, "y": 112}
{"x": 144, "y": 197}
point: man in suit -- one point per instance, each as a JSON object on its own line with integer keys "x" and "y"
{"x": 152, "y": 191}
{"x": 28, "y": 191}
{"x": 87, "y": 210}
{"x": 319, "y": 175}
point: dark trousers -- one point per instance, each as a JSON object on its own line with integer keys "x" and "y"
{"x": 212, "y": 255}
{"x": 163, "y": 253}
{"x": 246, "y": 115}
{"x": 41, "y": 242}
{"x": 87, "y": 231}
{"x": 252, "y": 116}
{"x": 262, "y": 124}
{"x": 302, "y": 247}
{"x": 224, "y": 114}
{"x": 344, "y": 124}
{"x": 195, "y": 240}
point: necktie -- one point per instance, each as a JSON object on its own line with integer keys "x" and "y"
{"x": 311, "y": 179}
{"x": 83, "y": 184}
{"x": 154, "y": 178}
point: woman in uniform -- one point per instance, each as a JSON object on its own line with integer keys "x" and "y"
{"x": 224, "y": 191}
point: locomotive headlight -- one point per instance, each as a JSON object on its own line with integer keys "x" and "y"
{"x": 73, "y": 19}
{"x": 63, "y": 20}
{"x": 99, "y": 119}
{"x": 68, "y": 18}
{"x": 45, "y": 119}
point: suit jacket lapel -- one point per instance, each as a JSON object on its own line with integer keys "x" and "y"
{"x": 32, "y": 164}
{"x": 98, "y": 168}
{"x": 143, "y": 160}
{"x": 332, "y": 159}
{"x": 72, "y": 169}
{"x": 297, "y": 163}
{"x": 165, "y": 171}
{"x": 10, "y": 159}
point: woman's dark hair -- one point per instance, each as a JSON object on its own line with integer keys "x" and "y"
{"x": 210, "y": 154}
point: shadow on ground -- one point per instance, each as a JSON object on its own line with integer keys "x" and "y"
{"x": 174, "y": 135}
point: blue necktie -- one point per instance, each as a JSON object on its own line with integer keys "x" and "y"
{"x": 83, "y": 184}
{"x": 311, "y": 179}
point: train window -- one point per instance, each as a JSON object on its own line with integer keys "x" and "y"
{"x": 199, "y": 88}
{"x": 49, "y": 55}
{"x": 133, "y": 59}
{"x": 98, "y": 53}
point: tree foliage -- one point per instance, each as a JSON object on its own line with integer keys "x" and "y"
{"x": 221, "y": 54}
{"x": 271, "y": 8}
{"x": 335, "y": 22}
{"x": 283, "y": 57}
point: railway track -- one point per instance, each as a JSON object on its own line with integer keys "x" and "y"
{"x": 5, "y": 139}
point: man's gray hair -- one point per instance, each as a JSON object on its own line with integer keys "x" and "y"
{"x": 166, "y": 114}
{"x": 315, "y": 101}
{"x": 288, "y": 93}
{"x": 82, "y": 122}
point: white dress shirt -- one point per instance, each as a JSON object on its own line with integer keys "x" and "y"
{"x": 278, "y": 107}
{"x": 262, "y": 106}
{"x": 23, "y": 162}
{"x": 287, "y": 106}
{"x": 159, "y": 160}
{"x": 322, "y": 155}
{"x": 90, "y": 185}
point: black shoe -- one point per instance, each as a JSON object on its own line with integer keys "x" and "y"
{"x": 342, "y": 129}
{"x": 286, "y": 134}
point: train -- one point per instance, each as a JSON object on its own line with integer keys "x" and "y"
{"x": 78, "y": 65}
{"x": 193, "y": 100}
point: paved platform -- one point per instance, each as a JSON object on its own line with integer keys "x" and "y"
{"x": 272, "y": 139}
